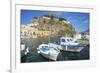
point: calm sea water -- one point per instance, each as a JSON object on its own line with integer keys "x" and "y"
{"x": 33, "y": 56}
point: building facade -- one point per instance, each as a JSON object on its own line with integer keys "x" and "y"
{"x": 27, "y": 31}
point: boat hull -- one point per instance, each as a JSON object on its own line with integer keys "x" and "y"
{"x": 50, "y": 56}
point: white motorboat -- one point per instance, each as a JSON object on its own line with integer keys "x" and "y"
{"x": 49, "y": 51}
{"x": 66, "y": 42}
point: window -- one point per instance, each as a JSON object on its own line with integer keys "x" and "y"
{"x": 68, "y": 40}
{"x": 63, "y": 40}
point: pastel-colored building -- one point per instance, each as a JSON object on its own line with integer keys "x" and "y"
{"x": 28, "y": 31}
{"x": 78, "y": 36}
{"x": 42, "y": 33}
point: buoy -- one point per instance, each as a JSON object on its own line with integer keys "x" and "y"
{"x": 38, "y": 51}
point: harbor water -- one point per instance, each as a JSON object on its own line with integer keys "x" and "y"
{"x": 34, "y": 56}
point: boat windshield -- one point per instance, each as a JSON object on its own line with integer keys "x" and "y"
{"x": 44, "y": 48}
{"x": 68, "y": 40}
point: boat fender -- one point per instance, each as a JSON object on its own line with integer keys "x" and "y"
{"x": 38, "y": 52}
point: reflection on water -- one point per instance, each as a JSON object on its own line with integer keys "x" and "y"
{"x": 33, "y": 56}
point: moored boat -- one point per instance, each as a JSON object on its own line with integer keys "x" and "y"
{"x": 49, "y": 51}
{"x": 66, "y": 42}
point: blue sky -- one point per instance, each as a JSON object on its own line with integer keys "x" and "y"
{"x": 79, "y": 20}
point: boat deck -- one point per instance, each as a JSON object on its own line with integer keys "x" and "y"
{"x": 75, "y": 49}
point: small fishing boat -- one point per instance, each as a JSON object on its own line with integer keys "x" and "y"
{"x": 66, "y": 42}
{"x": 49, "y": 51}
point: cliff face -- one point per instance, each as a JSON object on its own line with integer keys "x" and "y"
{"x": 57, "y": 26}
